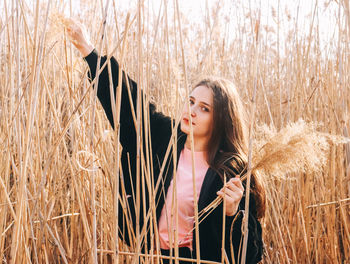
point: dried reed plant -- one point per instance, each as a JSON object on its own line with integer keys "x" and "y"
{"x": 297, "y": 148}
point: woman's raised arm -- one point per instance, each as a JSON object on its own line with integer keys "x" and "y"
{"x": 159, "y": 123}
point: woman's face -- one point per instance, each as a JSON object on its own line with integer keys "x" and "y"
{"x": 201, "y": 106}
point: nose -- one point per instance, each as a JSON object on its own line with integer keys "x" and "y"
{"x": 193, "y": 110}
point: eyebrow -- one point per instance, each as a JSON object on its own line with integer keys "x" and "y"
{"x": 191, "y": 97}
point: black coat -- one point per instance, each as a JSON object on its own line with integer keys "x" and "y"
{"x": 210, "y": 229}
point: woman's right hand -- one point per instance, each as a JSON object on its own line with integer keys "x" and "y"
{"x": 78, "y": 36}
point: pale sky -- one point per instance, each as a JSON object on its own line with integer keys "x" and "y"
{"x": 291, "y": 13}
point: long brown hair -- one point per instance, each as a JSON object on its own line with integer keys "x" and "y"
{"x": 228, "y": 144}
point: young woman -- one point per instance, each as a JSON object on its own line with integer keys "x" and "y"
{"x": 220, "y": 150}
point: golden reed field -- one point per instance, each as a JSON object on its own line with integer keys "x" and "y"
{"x": 59, "y": 161}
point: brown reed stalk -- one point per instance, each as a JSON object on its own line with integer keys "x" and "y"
{"x": 249, "y": 167}
{"x": 116, "y": 117}
{"x": 195, "y": 204}
{"x": 94, "y": 223}
{"x": 138, "y": 131}
{"x": 223, "y": 253}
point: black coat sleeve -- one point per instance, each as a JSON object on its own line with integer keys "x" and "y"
{"x": 160, "y": 124}
{"x": 160, "y": 131}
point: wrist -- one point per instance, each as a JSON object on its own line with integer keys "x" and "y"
{"x": 85, "y": 49}
{"x": 232, "y": 212}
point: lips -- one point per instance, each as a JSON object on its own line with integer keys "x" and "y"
{"x": 187, "y": 121}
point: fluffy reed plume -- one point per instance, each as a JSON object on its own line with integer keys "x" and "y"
{"x": 59, "y": 19}
{"x": 60, "y": 23}
{"x": 298, "y": 147}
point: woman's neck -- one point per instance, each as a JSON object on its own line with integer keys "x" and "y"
{"x": 198, "y": 145}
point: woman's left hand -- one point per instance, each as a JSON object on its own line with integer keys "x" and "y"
{"x": 232, "y": 194}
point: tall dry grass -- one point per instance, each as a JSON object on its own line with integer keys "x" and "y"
{"x": 59, "y": 164}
